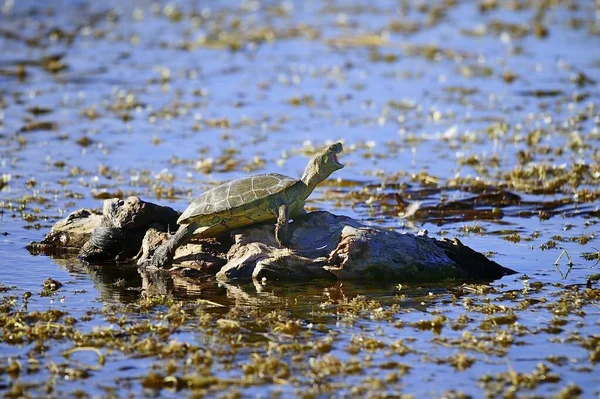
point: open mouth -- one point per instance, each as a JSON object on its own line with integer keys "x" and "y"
{"x": 334, "y": 158}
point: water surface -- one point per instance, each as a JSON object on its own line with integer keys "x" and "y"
{"x": 447, "y": 103}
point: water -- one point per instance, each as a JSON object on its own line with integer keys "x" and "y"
{"x": 149, "y": 99}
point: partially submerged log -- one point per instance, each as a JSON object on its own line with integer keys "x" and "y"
{"x": 206, "y": 255}
{"x": 323, "y": 246}
{"x": 115, "y": 234}
{"x": 133, "y": 213}
{"x": 327, "y": 246}
{"x": 122, "y": 228}
{"x": 69, "y": 234}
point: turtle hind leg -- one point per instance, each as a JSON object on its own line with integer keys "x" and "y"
{"x": 281, "y": 228}
{"x": 163, "y": 256}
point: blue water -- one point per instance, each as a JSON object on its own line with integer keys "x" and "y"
{"x": 120, "y": 59}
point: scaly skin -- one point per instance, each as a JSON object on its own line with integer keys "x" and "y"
{"x": 281, "y": 228}
{"x": 163, "y": 256}
{"x": 320, "y": 167}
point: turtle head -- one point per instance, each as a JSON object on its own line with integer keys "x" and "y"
{"x": 328, "y": 158}
{"x": 322, "y": 165}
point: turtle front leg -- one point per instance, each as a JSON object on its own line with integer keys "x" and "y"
{"x": 281, "y": 228}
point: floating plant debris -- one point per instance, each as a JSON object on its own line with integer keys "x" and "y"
{"x": 471, "y": 120}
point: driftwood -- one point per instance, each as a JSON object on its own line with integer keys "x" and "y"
{"x": 323, "y": 246}
{"x": 122, "y": 228}
{"x": 69, "y": 234}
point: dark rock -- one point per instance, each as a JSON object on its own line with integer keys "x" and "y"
{"x": 110, "y": 244}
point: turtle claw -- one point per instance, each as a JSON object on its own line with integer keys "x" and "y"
{"x": 161, "y": 258}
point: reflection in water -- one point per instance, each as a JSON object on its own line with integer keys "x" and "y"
{"x": 114, "y": 282}
{"x": 125, "y": 283}
{"x": 300, "y": 297}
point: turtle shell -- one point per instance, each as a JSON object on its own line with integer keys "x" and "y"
{"x": 238, "y": 197}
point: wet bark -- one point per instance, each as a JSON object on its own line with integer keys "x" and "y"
{"x": 69, "y": 234}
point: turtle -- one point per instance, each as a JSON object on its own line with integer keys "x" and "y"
{"x": 264, "y": 198}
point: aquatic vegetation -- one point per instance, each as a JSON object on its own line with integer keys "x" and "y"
{"x": 478, "y": 120}
{"x": 287, "y": 351}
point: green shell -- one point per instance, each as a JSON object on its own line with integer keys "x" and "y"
{"x": 237, "y": 197}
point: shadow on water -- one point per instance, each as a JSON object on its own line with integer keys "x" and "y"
{"x": 126, "y": 283}
{"x": 296, "y": 295}
{"x": 114, "y": 282}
